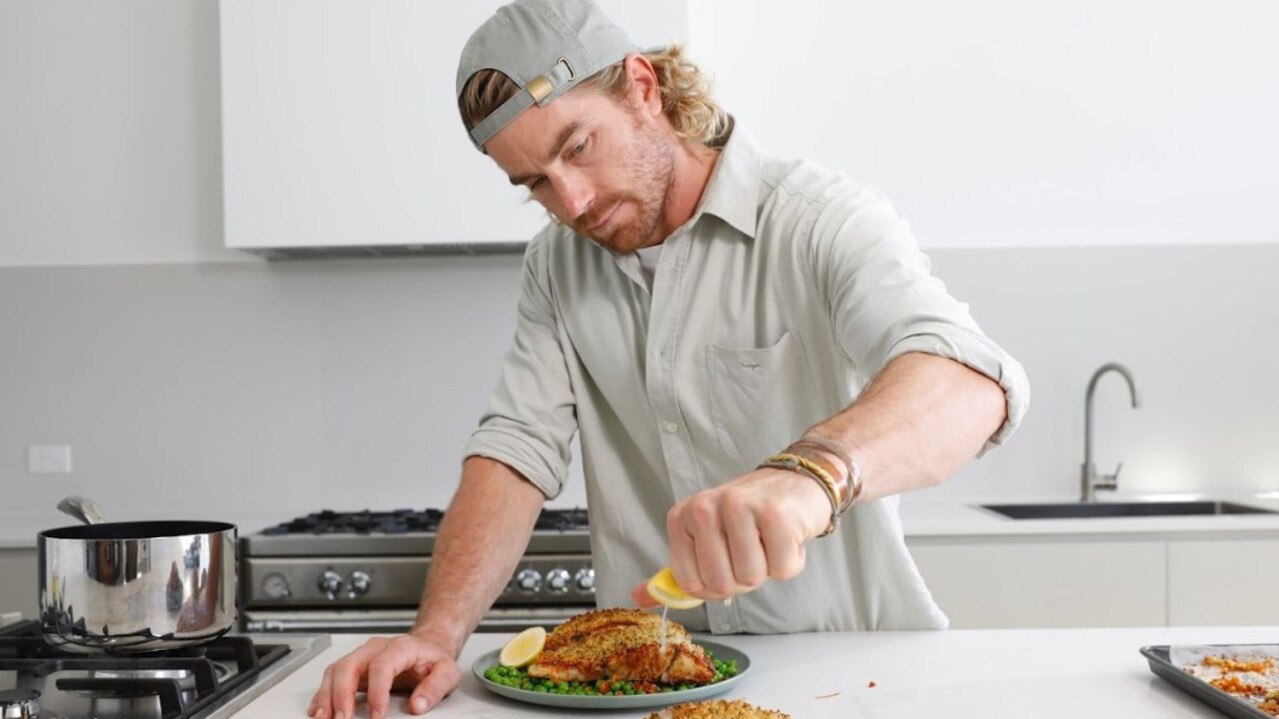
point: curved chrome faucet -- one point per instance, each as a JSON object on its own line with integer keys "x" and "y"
{"x": 1090, "y": 480}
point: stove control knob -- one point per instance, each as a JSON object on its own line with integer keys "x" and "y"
{"x": 557, "y": 580}
{"x": 276, "y": 586}
{"x": 330, "y": 583}
{"x": 358, "y": 584}
{"x": 528, "y": 580}
{"x": 585, "y": 580}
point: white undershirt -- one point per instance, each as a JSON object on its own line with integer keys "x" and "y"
{"x": 648, "y": 259}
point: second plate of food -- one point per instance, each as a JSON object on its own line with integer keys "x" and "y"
{"x": 548, "y": 694}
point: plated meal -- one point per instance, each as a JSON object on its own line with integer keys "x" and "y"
{"x": 611, "y": 658}
{"x": 1241, "y": 680}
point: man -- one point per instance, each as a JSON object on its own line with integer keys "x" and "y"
{"x": 705, "y": 317}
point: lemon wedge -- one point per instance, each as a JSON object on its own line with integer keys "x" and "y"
{"x": 523, "y": 648}
{"x": 666, "y": 591}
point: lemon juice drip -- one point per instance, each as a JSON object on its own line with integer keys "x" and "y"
{"x": 662, "y": 650}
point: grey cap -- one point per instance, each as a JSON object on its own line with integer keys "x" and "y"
{"x": 546, "y": 47}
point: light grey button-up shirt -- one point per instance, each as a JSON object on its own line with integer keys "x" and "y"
{"x": 787, "y": 290}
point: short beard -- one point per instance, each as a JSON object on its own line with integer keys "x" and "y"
{"x": 651, "y": 176}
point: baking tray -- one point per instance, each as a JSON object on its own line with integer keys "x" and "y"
{"x": 1228, "y": 704}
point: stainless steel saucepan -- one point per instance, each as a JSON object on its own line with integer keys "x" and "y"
{"x": 127, "y": 587}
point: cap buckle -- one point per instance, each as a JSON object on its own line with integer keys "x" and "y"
{"x": 542, "y": 85}
{"x": 539, "y": 87}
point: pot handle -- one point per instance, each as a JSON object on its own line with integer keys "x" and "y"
{"x": 82, "y": 508}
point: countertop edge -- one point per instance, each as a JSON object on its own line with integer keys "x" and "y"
{"x": 923, "y": 520}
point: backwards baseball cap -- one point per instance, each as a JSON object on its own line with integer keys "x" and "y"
{"x": 546, "y": 47}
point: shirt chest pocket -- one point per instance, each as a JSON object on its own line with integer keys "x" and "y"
{"x": 761, "y": 400}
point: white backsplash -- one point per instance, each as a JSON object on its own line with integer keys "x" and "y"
{"x": 278, "y": 389}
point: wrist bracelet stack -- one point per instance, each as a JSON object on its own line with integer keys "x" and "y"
{"x": 808, "y": 468}
{"x": 851, "y": 486}
{"x": 839, "y": 479}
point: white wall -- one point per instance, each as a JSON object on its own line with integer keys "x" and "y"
{"x": 1197, "y": 325}
{"x": 250, "y": 389}
{"x": 282, "y": 388}
{"x": 275, "y": 390}
{"x": 998, "y": 123}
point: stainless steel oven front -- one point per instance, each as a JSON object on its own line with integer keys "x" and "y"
{"x": 365, "y": 572}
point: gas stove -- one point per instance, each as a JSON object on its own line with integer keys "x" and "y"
{"x": 211, "y": 681}
{"x": 364, "y": 571}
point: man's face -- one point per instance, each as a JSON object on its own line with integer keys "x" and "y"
{"x": 602, "y": 165}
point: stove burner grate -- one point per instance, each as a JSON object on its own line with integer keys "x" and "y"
{"x": 403, "y": 521}
{"x": 561, "y": 519}
{"x": 201, "y": 673}
{"x": 400, "y": 521}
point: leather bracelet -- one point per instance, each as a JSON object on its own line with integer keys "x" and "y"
{"x": 799, "y": 465}
{"x": 837, "y": 470}
{"x": 827, "y": 445}
{"x": 853, "y": 487}
{"x": 810, "y": 467}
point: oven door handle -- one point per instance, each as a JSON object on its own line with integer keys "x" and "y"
{"x": 498, "y": 619}
{"x": 362, "y": 621}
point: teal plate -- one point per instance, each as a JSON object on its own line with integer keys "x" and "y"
{"x": 629, "y": 701}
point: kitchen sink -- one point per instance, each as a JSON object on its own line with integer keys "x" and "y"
{"x": 1085, "y": 510}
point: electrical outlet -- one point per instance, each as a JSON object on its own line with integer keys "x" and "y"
{"x": 49, "y": 459}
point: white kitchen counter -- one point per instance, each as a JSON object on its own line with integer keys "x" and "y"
{"x": 925, "y": 518}
{"x": 959, "y": 674}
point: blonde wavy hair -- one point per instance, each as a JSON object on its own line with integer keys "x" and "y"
{"x": 686, "y": 95}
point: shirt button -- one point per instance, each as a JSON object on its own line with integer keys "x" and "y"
{"x": 726, "y": 627}
{"x": 671, "y": 428}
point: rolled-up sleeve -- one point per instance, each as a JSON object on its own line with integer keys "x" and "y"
{"x": 885, "y": 302}
{"x": 531, "y": 417}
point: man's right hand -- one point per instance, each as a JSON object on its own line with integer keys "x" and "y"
{"x": 406, "y": 662}
{"x": 459, "y": 589}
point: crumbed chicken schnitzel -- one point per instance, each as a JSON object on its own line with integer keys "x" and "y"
{"x": 718, "y": 709}
{"x": 622, "y": 645}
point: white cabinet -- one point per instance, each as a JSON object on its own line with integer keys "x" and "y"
{"x": 1015, "y": 124}
{"x": 340, "y": 126}
{"x": 18, "y": 581}
{"x": 1045, "y": 582}
{"x": 1223, "y": 582}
